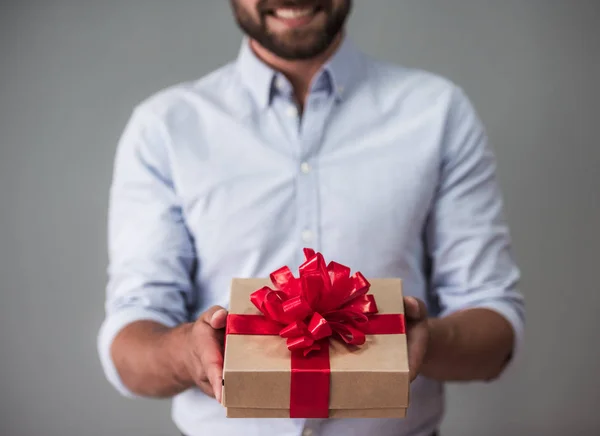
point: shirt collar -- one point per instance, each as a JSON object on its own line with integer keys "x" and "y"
{"x": 343, "y": 70}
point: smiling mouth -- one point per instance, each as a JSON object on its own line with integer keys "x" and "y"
{"x": 295, "y": 15}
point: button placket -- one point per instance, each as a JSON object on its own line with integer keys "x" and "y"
{"x": 308, "y": 190}
{"x": 310, "y": 134}
{"x": 307, "y": 207}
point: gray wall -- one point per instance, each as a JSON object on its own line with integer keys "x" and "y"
{"x": 70, "y": 72}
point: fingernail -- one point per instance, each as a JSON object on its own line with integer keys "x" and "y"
{"x": 215, "y": 315}
{"x": 416, "y": 304}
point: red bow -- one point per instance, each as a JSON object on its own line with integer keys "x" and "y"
{"x": 324, "y": 301}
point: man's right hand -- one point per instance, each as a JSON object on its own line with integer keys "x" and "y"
{"x": 156, "y": 361}
{"x": 204, "y": 361}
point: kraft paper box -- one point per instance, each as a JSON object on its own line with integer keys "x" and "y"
{"x": 366, "y": 381}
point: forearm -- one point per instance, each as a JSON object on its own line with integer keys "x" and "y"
{"x": 474, "y": 344}
{"x": 149, "y": 358}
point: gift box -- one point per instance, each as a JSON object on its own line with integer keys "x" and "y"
{"x": 325, "y": 344}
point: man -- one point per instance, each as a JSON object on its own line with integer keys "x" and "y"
{"x": 304, "y": 141}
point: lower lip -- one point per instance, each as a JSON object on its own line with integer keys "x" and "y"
{"x": 295, "y": 22}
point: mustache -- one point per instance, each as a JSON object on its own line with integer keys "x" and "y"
{"x": 269, "y": 5}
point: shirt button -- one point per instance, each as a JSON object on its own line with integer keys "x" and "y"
{"x": 307, "y": 236}
{"x": 292, "y": 112}
{"x": 305, "y": 167}
{"x": 280, "y": 83}
{"x": 308, "y": 432}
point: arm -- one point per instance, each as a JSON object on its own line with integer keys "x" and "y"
{"x": 474, "y": 275}
{"x": 149, "y": 358}
{"x": 157, "y": 361}
{"x": 148, "y": 344}
{"x": 459, "y": 352}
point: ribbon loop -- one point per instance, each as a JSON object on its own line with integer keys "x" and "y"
{"x": 296, "y": 309}
{"x": 319, "y": 328}
{"x": 293, "y": 330}
{"x": 300, "y": 343}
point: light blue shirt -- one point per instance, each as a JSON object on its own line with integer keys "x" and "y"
{"x": 388, "y": 170}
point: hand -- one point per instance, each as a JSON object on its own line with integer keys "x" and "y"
{"x": 417, "y": 333}
{"x": 204, "y": 362}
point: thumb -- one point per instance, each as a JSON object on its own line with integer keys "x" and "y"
{"x": 216, "y": 317}
{"x": 219, "y": 319}
{"x": 417, "y": 346}
{"x": 414, "y": 309}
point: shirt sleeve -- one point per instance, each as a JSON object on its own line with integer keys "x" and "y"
{"x": 151, "y": 254}
{"x": 467, "y": 235}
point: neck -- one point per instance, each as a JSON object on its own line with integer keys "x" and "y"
{"x": 300, "y": 73}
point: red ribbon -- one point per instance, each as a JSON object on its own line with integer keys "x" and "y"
{"x": 323, "y": 302}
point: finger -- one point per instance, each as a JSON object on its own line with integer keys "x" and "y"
{"x": 417, "y": 346}
{"x": 212, "y": 363}
{"x": 208, "y": 314}
{"x": 414, "y": 309}
{"x": 219, "y": 319}
{"x": 206, "y": 387}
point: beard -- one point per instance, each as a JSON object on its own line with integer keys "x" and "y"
{"x": 303, "y": 42}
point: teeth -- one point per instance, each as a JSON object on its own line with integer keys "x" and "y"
{"x": 293, "y": 13}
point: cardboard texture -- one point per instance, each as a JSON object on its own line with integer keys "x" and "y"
{"x": 371, "y": 381}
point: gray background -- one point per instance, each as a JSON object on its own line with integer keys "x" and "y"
{"x": 70, "y": 72}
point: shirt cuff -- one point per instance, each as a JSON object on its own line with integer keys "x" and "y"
{"x": 113, "y": 324}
